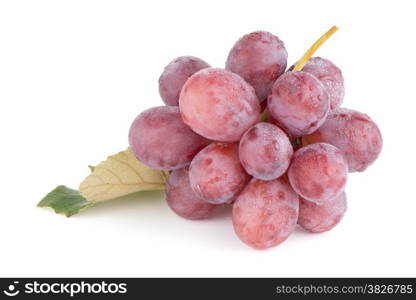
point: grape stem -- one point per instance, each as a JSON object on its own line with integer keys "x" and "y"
{"x": 308, "y": 54}
{"x": 264, "y": 117}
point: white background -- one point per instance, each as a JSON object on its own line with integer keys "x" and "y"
{"x": 74, "y": 74}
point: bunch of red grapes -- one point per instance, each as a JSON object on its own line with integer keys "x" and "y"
{"x": 272, "y": 143}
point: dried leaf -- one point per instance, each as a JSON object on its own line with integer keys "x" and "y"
{"x": 121, "y": 174}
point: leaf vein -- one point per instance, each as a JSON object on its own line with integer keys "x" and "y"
{"x": 109, "y": 171}
{"x": 129, "y": 166}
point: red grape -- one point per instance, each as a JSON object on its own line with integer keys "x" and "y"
{"x": 219, "y": 105}
{"x": 265, "y": 151}
{"x": 354, "y": 133}
{"x": 175, "y": 75}
{"x": 159, "y": 138}
{"x": 259, "y": 57}
{"x": 330, "y": 76}
{"x": 182, "y": 199}
{"x": 265, "y": 213}
{"x": 315, "y": 218}
{"x": 318, "y": 172}
{"x": 216, "y": 173}
{"x": 298, "y": 103}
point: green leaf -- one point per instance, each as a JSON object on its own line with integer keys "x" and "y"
{"x": 64, "y": 200}
{"x": 92, "y": 168}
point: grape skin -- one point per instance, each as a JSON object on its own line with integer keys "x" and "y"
{"x": 318, "y": 172}
{"x": 265, "y": 151}
{"x": 175, "y": 75}
{"x": 159, "y": 138}
{"x": 182, "y": 199}
{"x": 354, "y": 133}
{"x": 298, "y": 103}
{"x": 219, "y": 105}
{"x": 314, "y": 218}
{"x": 265, "y": 212}
{"x": 330, "y": 76}
{"x": 260, "y": 58}
{"x": 216, "y": 174}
